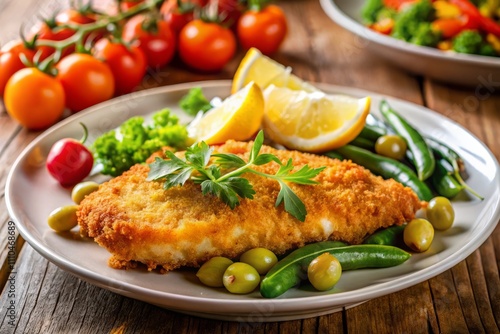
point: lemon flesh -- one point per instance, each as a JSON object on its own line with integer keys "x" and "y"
{"x": 264, "y": 71}
{"x": 238, "y": 117}
{"x": 312, "y": 121}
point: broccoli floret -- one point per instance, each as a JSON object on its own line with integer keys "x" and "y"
{"x": 194, "y": 101}
{"x": 487, "y": 50}
{"x": 134, "y": 141}
{"x": 479, "y": 3}
{"x": 386, "y": 13}
{"x": 407, "y": 23}
{"x": 370, "y": 11}
{"x": 468, "y": 41}
{"x": 425, "y": 35}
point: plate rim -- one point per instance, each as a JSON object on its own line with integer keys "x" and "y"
{"x": 285, "y": 304}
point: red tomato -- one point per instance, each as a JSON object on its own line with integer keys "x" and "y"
{"x": 69, "y": 161}
{"x": 178, "y": 13}
{"x": 206, "y": 46}
{"x": 45, "y": 32}
{"x": 126, "y": 5}
{"x": 86, "y": 81}
{"x": 72, "y": 15}
{"x": 228, "y": 10}
{"x": 395, "y": 4}
{"x": 158, "y": 44}
{"x": 34, "y": 99}
{"x": 265, "y": 29}
{"x": 128, "y": 64}
{"x": 10, "y": 61}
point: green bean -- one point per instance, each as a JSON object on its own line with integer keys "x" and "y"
{"x": 456, "y": 165}
{"x": 422, "y": 154}
{"x": 387, "y": 168}
{"x": 443, "y": 151}
{"x": 363, "y": 142}
{"x": 445, "y": 183}
{"x": 334, "y": 155}
{"x": 372, "y": 132}
{"x": 390, "y": 236}
{"x": 292, "y": 269}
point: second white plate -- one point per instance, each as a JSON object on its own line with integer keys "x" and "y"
{"x": 471, "y": 70}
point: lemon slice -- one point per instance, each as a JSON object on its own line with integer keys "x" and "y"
{"x": 238, "y": 117}
{"x": 264, "y": 71}
{"x": 312, "y": 121}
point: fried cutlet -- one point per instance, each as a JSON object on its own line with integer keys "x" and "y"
{"x": 139, "y": 221}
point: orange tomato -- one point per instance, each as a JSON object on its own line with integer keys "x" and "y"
{"x": 34, "y": 99}
{"x": 10, "y": 61}
{"x": 86, "y": 81}
{"x": 264, "y": 29}
{"x": 206, "y": 46}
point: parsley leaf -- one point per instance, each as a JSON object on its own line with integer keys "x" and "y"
{"x": 220, "y": 174}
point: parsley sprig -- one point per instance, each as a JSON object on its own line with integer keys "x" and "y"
{"x": 222, "y": 175}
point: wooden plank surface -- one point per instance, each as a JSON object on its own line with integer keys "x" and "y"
{"x": 463, "y": 299}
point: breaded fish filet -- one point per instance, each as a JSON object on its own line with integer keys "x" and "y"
{"x": 137, "y": 220}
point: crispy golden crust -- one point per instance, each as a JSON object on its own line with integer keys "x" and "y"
{"x": 137, "y": 220}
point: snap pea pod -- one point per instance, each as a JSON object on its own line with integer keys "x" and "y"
{"x": 422, "y": 154}
{"x": 390, "y": 236}
{"x": 292, "y": 269}
{"x": 443, "y": 182}
{"x": 387, "y": 168}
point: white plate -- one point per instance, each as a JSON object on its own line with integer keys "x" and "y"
{"x": 31, "y": 194}
{"x": 471, "y": 70}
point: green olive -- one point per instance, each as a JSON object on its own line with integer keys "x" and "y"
{"x": 440, "y": 213}
{"x": 392, "y": 146}
{"x": 241, "y": 278}
{"x": 260, "y": 258}
{"x": 63, "y": 218}
{"x": 211, "y": 272}
{"x": 324, "y": 272}
{"x": 418, "y": 234}
{"x": 82, "y": 189}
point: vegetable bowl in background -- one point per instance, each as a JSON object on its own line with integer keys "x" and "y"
{"x": 446, "y": 66}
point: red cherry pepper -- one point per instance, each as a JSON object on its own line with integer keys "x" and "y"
{"x": 69, "y": 161}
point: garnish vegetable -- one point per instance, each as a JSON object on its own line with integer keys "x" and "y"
{"x": 69, "y": 161}
{"x": 223, "y": 177}
{"x": 136, "y": 141}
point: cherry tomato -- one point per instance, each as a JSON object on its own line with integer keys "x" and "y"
{"x": 81, "y": 17}
{"x": 156, "y": 41}
{"x": 86, "y": 81}
{"x": 126, "y": 5}
{"x": 177, "y": 13}
{"x": 10, "y": 61}
{"x": 44, "y": 31}
{"x": 127, "y": 63}
{"x": 69, "y": 161}
{"x": 206, "y": 46}
{"x": 72, "y": 15}
{"x": 34, "y": 99}
{"x": 264, "y": 29}
{"x": 228, "y": 10}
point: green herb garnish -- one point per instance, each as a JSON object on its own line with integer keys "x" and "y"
{"x": 223, "y": 177}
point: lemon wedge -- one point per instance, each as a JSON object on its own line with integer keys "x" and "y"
{"x": 264, "y": 71}
{"x": 238, "y": 117}
{"x": 312, "y": 121}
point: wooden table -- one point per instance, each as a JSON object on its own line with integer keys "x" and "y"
{"x": 463, "y": 299}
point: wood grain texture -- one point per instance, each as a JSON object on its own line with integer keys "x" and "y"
{"x": 463, "y": 299}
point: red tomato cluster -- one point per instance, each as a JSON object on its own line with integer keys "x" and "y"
{"x": 76, "y": 78}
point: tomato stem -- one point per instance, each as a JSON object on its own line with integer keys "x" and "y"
{"x": 82, "y": 29}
